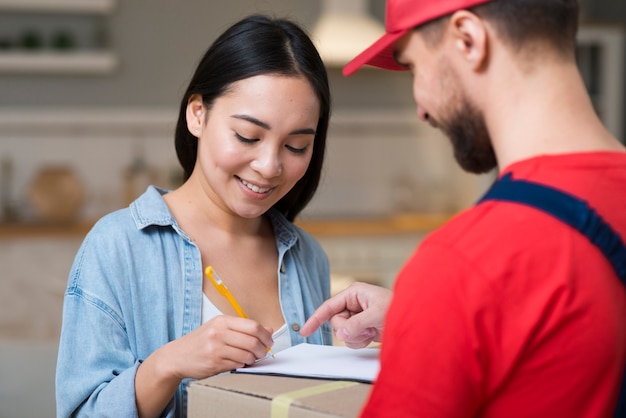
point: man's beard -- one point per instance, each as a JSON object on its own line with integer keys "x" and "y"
{"x": 470, "y": 138}
{"x": 465, "y": 125}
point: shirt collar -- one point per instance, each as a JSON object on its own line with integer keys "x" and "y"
{"x": 150, "y": 209}
{"x": 284, "y": 231}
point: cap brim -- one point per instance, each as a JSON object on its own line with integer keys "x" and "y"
{"x": 379, "y": 54}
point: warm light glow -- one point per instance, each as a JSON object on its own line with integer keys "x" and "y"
{"x": 343, "y": 30}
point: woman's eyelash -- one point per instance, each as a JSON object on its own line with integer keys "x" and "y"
{"x": 296, "y": 150}
{"x": 253, "y": 140}
{"x": 244, "y": 139}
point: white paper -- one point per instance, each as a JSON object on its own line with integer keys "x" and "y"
{"x": 320, "y": 361}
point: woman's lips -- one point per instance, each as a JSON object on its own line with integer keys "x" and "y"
{"x": 255, "y": 188}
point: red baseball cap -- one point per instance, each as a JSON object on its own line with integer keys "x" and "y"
{"x": 400, "y": 17}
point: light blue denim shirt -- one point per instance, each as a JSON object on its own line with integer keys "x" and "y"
{"x": 136, "y": 284}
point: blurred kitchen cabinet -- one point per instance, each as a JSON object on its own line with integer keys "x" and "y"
{"x": 370, "y": 250}
{"x": 41, "y": 48}
{"x": 375, "y": 259}
{"x": 35, "y": 271}
{"x": 600, "y": 56}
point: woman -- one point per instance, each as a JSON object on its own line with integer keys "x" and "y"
{"x": 139, "y": 315}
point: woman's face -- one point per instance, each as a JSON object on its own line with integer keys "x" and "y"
{"x": 255, "y": 142}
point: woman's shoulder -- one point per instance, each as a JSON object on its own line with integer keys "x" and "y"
{"x": 117, "y": 243}
{"x": 109, "y": 237}
{"x": 148, "y": 209}
{"x": 113, "y": 225}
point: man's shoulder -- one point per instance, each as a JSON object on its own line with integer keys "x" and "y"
{"x": 494, "y": 228}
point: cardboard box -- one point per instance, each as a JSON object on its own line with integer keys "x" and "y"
{"x": 250, "y": 395}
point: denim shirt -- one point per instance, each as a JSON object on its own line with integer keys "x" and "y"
{"x": 136, "y": 284}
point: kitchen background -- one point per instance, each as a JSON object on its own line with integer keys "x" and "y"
{"x": 89, "y": 92}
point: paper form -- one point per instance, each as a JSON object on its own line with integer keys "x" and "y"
{"x": 320, "y": 361}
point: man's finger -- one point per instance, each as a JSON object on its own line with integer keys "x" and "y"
{"x": 321, "y": 315}
{"x": 328, "y": 309}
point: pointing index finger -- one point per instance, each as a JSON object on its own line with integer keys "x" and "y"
{"x": 327, "y": 310}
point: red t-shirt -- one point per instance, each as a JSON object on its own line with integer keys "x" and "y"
{"x": 508, "y": 312}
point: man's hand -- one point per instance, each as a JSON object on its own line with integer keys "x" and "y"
{"x": 356, "y": 315}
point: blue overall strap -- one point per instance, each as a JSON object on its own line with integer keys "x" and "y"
{"x": 577, "y": 214}
{"x": 569, "y": 209}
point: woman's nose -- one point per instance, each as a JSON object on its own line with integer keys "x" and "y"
{"x": 268, "y": 163}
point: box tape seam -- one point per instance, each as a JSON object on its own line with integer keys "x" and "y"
{"x": 282, "y": 402}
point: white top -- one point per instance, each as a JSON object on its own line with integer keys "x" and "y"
{"x": 281, "y": 337}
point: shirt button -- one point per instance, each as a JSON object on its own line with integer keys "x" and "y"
{"x": 282, "y": 268}
{"x": 295, "y": 327}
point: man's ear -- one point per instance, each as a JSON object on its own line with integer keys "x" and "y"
{"x": 470, "y": 37}
{"x": 195, "y": 115}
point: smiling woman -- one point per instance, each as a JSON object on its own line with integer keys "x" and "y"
{"x": 254, "y": 145}
{"x": 240, "y": 54}
{"x": 138, "y": 316}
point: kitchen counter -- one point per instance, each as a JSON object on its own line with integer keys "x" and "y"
{"x": 35, "y": 230}
{"x": 397, "y": 224}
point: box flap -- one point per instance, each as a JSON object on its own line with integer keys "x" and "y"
{"x": 341, "y": 402}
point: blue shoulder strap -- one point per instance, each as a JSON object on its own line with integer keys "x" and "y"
{"x": 577, "y": 214}
{"x": 569, "y": 209}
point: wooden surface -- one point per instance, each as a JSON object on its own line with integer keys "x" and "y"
{"x": 398, "y": 224}
{"x": 36, "y": 230}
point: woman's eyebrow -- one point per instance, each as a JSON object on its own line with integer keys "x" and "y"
{"x": 266, "y": 126}
{"x": 253, "y": 120}
{"x": 305, "y": 131}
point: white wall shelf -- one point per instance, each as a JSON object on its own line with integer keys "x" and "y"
{"x": 73, "y": 63}
{"x": 59, "y": 6}
{"x": 50, "y": 62}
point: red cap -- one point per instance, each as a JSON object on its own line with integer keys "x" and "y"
{"x": 402, "y": 16}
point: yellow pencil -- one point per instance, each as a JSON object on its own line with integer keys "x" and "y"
{"x": 216, "y": 280}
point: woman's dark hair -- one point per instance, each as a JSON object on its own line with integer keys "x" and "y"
{"x": 254, "y": 46}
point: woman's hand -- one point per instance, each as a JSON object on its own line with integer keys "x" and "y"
{"x": 221, "y": 344}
